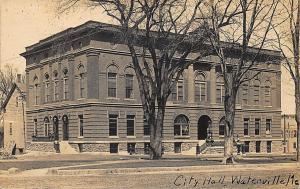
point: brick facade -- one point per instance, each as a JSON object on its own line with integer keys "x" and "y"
{"x": 82, "y": 75}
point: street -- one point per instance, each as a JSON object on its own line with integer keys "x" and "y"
{"x": 228, "y": 179}
{"x": 136, "y": 172}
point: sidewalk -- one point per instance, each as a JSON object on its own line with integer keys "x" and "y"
{"x": 167, "y": 165}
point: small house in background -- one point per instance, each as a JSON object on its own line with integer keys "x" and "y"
{"x": 13, "y": 117}
{"x": 289, "y": 130}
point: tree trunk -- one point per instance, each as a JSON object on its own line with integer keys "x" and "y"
{"x": 156, "y": 133}
{"x": 230, "y": 100}
{"x": 297, "y": 116}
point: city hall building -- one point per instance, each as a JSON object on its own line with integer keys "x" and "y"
{"x": 86, "y": 95}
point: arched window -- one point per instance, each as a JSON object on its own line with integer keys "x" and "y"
{"x": 47, "y": 88}
{"x": 112, "y": 81}
{"x": 200, "y": 88}
{"x": 46, "y": 126}
{"x": 82, "y": 83}
{"x": 268, "y": 93}
{"x": 181, "y": 126}
{"x": 36, "y": 90}
{"x": 220, "y": 90}
{"x": 55, "y": 86}
{"x": 129, "y": 76}
{"x": 65, "y": 84}
{"x": 256, "y": 92}
{"x": 222, "y": 127}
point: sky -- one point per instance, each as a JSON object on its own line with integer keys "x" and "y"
{"x": 25, "y": 22}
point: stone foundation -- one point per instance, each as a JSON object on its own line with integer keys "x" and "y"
{"x": 40, "y": 146}
{"x": 95, "y": 147}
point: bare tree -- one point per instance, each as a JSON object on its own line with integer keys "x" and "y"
{"x": 238, "y": 28}
{"x": 162, "y": 37}
{"x": 287, "y": 31}
{"x": 7, "y": 77}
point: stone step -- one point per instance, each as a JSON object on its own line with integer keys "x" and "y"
{"x": 66, "y": 148}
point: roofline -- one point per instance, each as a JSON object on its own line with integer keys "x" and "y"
{"x": 92, "y": 24}
{"x": 13, "y": 88}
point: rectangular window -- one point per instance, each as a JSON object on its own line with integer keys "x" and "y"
{"x": 47, "y": 94}
{"x": 130, "y": 125}
{"x": 66, "y": 88}
{"x": 268, "y": 126}
{"x": 246, "y": 126}
{"x": 269, "y": 146}
{"x": 200, "y": 91}
{"x": 180, "y": 90}
{"x": 220, "y": 93}
{"x": 80, "y": 118}
{"x": 10, "y": 129}
{"x": 112, "y": 84}
{"x": 131, "y": 148}
{"x": 146, "y": 128}
{"x": 129, "y": 86}
{"x": 177, "y": 147}
{"x": 113, "y": 125}
{"x": 35, "y": 127}
{"x": 257, "y": 126}
{"x": 257, "y": 146}
{"x": 82, "y": 86}
{"x": 246, "y": 146}
{"x": 113, "y": 148}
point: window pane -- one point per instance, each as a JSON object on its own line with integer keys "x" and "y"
{"x": 246, "y": 126}
{"x": 112, "y": 84}
{"x": 256, "y": 95}
{"x": 146, "y": 128}
{"x": 80, "y": 117}
{"x": 113, "y": 125}
{"x": 222, "y": 128}
{"x": 113, "y": 148}
{"x": 185, "y": 129}
{"x": 130, "y": 125}
{"x": 269, "y": 146}
{"x": 268, "y": 126}
{"x": 129, "y": 86}
{"x": 246, "y": 147}
{"x": 66, "y": 88}
{"x": 197, "y": 92}
{"x": 177, "y": 130}
{"x": 203, "y": 91}
{"x": 257, "y": 126}
{"x": 257, "y": 146}
{"x": 180, "y": 91}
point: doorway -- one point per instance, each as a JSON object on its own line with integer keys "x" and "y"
{"x": 203, "y": 124}
{"x": 55, "y": 128}
{"x": 65, "y": 127}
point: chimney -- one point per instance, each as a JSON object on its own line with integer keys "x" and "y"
{"x": 19, "y": 78}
